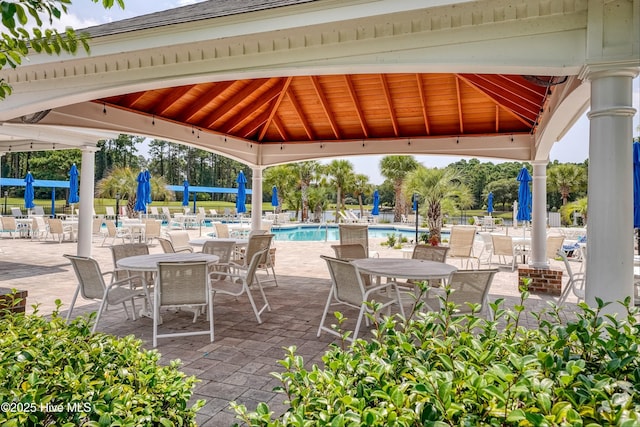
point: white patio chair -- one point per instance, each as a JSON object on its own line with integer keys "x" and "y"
{"x": 110, "y": 212}
{"x": 348, "y": 288}
{"x": 487, "y": 247}
{"x": 152, "y": 229}
{"x": 503, "y": 247}
{"x": 222, "y": 230}
{"x": 10, "y": 225}
{"x": 239, "y": 279}
{"x": 16, "y": 212}
{"x": 469, "y": 287}
{"x": 461, "y": 243}
{"x": 575, "y": 283}
{"x": 223, "y": 249}
{"x": 91, "y": 286}
{"x": 154, "y": 212}
{"x": 55, "y": 226}
{"x": 180, "y": 240}
{"x": 39, "y": 228}
{"x": 356, "y": 233}
{"x": 39, "y": 211}
{"x": 182, "y": 285}
{"x": 554, "y": 244}
{"x": 113, "y": 232}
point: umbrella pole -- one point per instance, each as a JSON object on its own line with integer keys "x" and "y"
{"x": 638, "y": 237}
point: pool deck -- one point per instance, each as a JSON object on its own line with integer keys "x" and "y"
{"x": 237, "y": 366}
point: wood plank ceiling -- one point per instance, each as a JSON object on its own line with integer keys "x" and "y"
{"x": 350, "y": 107}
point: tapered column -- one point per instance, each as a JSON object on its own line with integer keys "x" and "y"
{"x": 85, "y": 216}
{"x": 539, "y": 216}
{"x": 256, "y": 199}
{"x": 610, "y": 209}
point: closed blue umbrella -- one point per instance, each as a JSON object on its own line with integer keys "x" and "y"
{"x": 28, "y": 192}
{"x": 274, "y": 197}
{"x": 147, "y": 186}
{"x": 73, "y": 185}
{"x": 524, "y": 196}
{"x": 636, "y": 188}
{"x": 242, "y": 193}
{"x": 185, "y": 193}
{"x": 376, "y": 202}
{"x": 141, "y": 196}
{"x": 490, "y": 203}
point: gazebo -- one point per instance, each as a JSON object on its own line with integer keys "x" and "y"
{"x": 267, "y": 82}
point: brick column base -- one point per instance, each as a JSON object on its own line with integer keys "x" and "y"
{"x": 543, "y": 280}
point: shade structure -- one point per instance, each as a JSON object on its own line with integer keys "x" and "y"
{"x": 185, "y": 193}
{"x": 141, "y": 196}
{"x": 242, "y": 193}
{"x": 28, "y": 191}
{"x": 274, "y": 197}
{"x": 524, "y": 196}
{"x": 490, "y": 203}
{"x": 376, "y": 201}
{"x": 73, "y": 185}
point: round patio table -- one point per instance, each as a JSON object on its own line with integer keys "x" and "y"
{"x": 150, "y": 262}
{"x": 401, "y": 268}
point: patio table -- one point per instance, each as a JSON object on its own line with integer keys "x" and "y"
{"x": 401, "y": 268}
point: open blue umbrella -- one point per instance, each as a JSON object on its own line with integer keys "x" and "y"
{"x": 490, "y": 203}
{"x": 185, "y": 193}
{"x": 274, "y": 197}
{"x": 376, "y": 201}
{"x": 73, "y": 185}
{"x": 28, "y": 192}
{"x": 141, "y": 196}
{"x": 242, "y": 193}
{"x": 524, "y": 196}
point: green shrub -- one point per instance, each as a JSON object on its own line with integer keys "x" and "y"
{"x": 52, "y": 373}
{"x": 442, "y": 370}
{"x": 391, "y": 240}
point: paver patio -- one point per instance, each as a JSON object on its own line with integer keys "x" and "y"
{"x": 237, "y": 365}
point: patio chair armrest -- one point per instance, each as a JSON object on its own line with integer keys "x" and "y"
{"x": 122, "y": 282}
{"x": 219, "y": 274}
{"x": 373, "y": 289}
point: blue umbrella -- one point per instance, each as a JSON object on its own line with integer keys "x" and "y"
{"x": 274, "y": 197}
{"x": 73, "y": 185}
{"x": 242, "y": 193}
{"x": 376, "y": 202}
{"x": 524, "y": 196}
{"x": 28, "y": 192}
{"x": 636, "y": 187}
{"x": 490, "y": 203}
{"x": 185, "y": 193}
{"x": 141, "y": 195}
{"x": 147, "y": 186}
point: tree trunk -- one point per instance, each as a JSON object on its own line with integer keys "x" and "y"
{"x": 434, "y": 220}
{"x": 399, "y": 202}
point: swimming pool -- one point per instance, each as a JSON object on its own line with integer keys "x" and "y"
{"x": 305, "y": 233}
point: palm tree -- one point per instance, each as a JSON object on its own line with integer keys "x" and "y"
{"x": 433, "y": 186}
{"x": 123, "y": 181}
{"x": 306, "y": 172}
{"x": 565, "y": 179}
{"x": 361, "y": 187}
{"x": 283, "y": 177}
{"x": 395, "y": 169}
{"x": 341, "y": 176}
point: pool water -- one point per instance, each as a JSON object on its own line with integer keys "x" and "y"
{"x": 322, "y": 233}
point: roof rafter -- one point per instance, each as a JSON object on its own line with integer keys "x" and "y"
{"x": 171, "y": 98}
{"x": 423, "y": 103}
{"x": 232, "y": 102}
{"x": 301, "y": 116}
{"x": 387, "y": 97}
{"x": 459, "y": 103}
{"x": 356, "y": 105}
{"x": 325, "y": 106}
{"x": 210, "y": 95}
{"x": 274, "y": 109}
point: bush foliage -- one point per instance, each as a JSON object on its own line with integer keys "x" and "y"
{"x": 52, "y": 373}
{"x": 447, "y": 370}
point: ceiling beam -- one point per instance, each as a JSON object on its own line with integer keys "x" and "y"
{"x": 274, "y": 109}
{"x": 230, "y": 103}
{"x": 387, "y": 97}
{"x": 174, "y": 95}
{"x": 325, "y": 106}
{"x": 459, "y": 99}
{"x": 214, "y": 90}
{"x": 356, "y": 105}
{"x": 423, "y": 103}
{"x": 301, "y": 116}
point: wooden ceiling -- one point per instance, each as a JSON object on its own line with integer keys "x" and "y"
{"x": 350, "y": 107}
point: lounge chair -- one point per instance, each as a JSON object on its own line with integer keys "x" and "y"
{"x": 461, "y": 243}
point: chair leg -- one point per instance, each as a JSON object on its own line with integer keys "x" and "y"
{"x": 73, "y": 303}
{"x": 103, "y": 303}
{"x": 324, "y": 313}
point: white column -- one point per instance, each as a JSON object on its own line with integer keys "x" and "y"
{"x": 610, "y": 209}
{"x": 539, "y": 216}
{"x": 85, "y": 216}
{"x": 256, "y": 199}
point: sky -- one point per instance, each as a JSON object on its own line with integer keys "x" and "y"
{"x": 574, "y": 147}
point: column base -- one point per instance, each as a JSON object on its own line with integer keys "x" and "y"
{"x": 543, "y": 280}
